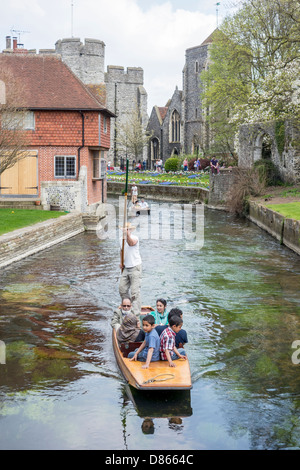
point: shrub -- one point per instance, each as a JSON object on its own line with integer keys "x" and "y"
{"x": 191, "y": 164}
{"x": 171, "y": 164}
{"x": 267, "y": 171}
{"x": 247, "y": 183}
{"x": 205, "y": 162}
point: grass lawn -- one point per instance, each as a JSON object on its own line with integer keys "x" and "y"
{"x": 290, "y": 210}
{"x": 13, "y": 219}
{"x": 182, "y": 178}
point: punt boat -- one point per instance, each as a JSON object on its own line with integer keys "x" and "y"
{"x": 159, "y": 375}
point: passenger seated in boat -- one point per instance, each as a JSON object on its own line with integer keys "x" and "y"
{"x": 129, "y": 330}
{"x": 124, "y": 309}
{"x": 181, "y": 337}
{"x": 161, "y": 314}
{"x": 143, "y": 204}
{"x": 168, "y": 350}
{"x": 149, "y": 349}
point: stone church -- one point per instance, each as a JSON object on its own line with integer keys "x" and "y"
{"x": 179, "y": 126}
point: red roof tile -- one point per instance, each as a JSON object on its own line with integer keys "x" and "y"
{"x": 48, "y": 83}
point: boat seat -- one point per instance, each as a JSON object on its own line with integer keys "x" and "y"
{"x": 126, "y": 348}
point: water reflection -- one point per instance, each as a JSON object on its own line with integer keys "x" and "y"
{"x": 241, "y": 304}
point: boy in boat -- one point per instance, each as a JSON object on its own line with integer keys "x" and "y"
{"x": 168, "y": 350}
{"x": 149, "y": 349}
{"x": 181, "y": 337}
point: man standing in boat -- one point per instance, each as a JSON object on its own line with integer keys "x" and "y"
{"x": 131, "y": 266}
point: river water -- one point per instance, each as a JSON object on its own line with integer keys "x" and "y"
{"x": 60, "y": 387}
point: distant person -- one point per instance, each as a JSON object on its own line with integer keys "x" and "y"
{"x": 134, "y": 194}
{"x": 185, "y": 164}
{"x": 214, "y": 165}
{"x": 159, "y": 165}
{"x": 143, "y": 204}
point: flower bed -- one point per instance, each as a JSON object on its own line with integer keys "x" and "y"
{"x": 181, "y": 178}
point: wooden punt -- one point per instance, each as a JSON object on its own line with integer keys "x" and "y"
{"x": 159, "y": 375}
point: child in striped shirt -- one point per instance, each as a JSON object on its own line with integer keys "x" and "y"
{"x": 168, "y": 350}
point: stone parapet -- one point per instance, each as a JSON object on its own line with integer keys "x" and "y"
{"x": 161, "y": 192}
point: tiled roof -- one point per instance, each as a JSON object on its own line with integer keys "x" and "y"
{"x": 48, "y": 83}
{"x": 207, "y": 41}
{"x": 210, "y": 38}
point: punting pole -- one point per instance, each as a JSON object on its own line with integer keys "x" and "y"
{"x": 125, "y": 218}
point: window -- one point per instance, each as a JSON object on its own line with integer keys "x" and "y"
{"x": 28, "y": 121}
{"x": 175, "y": 127}
{"x": 65, "y": 166}
{"x": 99, "y": 164}
{"x": 104, "y": 125}
{"x": 22, "y": 120}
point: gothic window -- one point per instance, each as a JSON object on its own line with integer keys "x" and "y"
{"x": 154, "y": 149}
{"x": 175, "y": 127}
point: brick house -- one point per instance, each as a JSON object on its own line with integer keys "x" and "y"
{"x": 68, "y": 133}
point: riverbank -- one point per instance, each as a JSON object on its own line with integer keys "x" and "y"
{"x": 27, "y": 241}
{"x": 262, "y": 212}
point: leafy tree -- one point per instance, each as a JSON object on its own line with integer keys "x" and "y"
{"x": 131, "y": 135}
{"x": 254, "y": 67}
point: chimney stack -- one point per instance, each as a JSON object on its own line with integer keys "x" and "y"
{"x": 8, "y": 42}
{"x": 15, "y": 43}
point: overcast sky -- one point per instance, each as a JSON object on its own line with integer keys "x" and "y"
{"x": 152, "y": 34}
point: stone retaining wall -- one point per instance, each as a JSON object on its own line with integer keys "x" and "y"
{"x": 27, "y": 241}
{"x": 220, "y": 186}
{"x": 161, "y": 192}
{"x": 286, "y": 231}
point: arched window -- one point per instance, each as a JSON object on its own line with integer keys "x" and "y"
{"x": 175, "y": 127}
{"x": 154, "y": 148}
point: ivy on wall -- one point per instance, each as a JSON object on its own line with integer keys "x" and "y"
{"x": 280, "y": 135}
